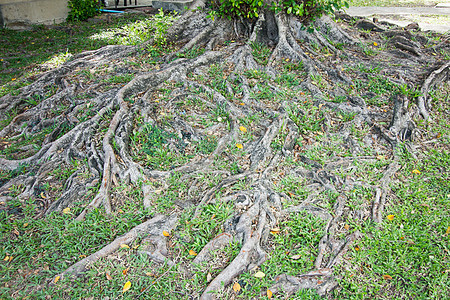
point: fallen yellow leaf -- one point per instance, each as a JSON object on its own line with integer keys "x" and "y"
{"x": 239, "y": 146}
{"x": 125, "y": 272}
{"x": 165, "y": 233}
{"x": 269, "y": 293}
{"x": 108, "y": 276}
{"x": 387, "y": 277}
{"x": 25, "y": 225}
{"x": 243, "y": 129}
{"x": 259, "y": 274}
{"x": 357, "y": 248}
{"x": 6, "y": 258}
{"x": 43, "y": 196}
{"x": 56, "y": 279}
{"x": 380, "y": 157}
{"x": 236, "y": 287}
{"x": 275, "y": 230}
{"x": 390, "y": 217}
{"x": 192, "y": 252}
{"x": 10, "y": 258}
{"x": 66, "y": 210}
{"x": 124, "y": 246}
{"x": 126, "y": 286}
{"x": 416, "y": 171}
{"x": 375, "y": 44}
{"x": 448, "y": 230}
{"x": 347, "y": 227}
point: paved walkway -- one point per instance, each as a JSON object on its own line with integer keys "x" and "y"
{"x": 429, "y": 18}
{"x": 369, "y": 11}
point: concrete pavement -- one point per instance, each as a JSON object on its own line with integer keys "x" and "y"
{"x": 429, "y": 18}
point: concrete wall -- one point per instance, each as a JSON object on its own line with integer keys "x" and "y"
{"x": 23, "y": 13}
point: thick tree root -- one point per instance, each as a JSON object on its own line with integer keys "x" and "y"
{"x": 153, "y": 228}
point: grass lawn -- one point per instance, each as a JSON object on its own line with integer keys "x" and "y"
{"x": 32, "y": 51}
{"x": 406, "y": 256}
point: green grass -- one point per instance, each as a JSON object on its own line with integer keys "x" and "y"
{"x": 36, "y": 245}
{"x": 260, "y": 52}
{"x": 292, "y": 251}
{"x": 413, "y": 248}
{"x": 23, "y": 51}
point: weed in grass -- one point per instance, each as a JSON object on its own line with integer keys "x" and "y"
{"x": 308, "y": 117}
{"x": 207, "y": 145}
{"x": 256, "y": 74}
{"x": 346, "y": 116}
{"x": 124, "y": 78}
{"x": 191, "y": 53}
{"x": 262, "y": 92}
{"x": 368, "y": 49}
{"x": 260, "y": 52}
{"x": 196, "y": 233}
{"x": 318, "y": 81}
{"x": 289, "y": 80}
{"x": 293, "y": 66}
{"x": 295, "y": 188}
{"x": 339, "y": 99}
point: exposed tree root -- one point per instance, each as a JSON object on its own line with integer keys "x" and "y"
{"x": 111, "y": 158}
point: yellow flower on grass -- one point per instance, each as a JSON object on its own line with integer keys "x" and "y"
{"x": 239, "y": 146}
{"x": 375, "y": 44}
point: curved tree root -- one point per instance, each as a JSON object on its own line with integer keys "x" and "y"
{"x": 153, "y": 228}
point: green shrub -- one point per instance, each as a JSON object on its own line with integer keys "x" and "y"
{"x": 81, "y": 10}
{"x": 305, "y": 10}
{"x": 236, "y": 9}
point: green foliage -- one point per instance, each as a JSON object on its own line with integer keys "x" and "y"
{"x": 161, "y": 23}
{"x": 236, "y": 9}
{"x": 81, "y": 10}
{"x": 305, "y": 10}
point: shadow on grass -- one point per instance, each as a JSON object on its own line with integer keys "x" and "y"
{"x": 38, "y": 49}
